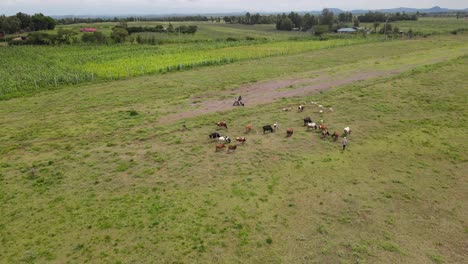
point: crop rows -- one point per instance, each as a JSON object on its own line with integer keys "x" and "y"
{"x": 28, "y": 68}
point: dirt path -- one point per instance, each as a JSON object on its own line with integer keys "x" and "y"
{"x": 267, "y": 92}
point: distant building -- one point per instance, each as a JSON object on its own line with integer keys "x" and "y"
{"x": 87, "y": 30}
{"x": 346, "y": 30}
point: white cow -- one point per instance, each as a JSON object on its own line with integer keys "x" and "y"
{"x": 312, "y": 125}
{"x": 224, "y": 139}
{"x": 347, "y": 131}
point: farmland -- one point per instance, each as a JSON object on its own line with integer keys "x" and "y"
{"x": 429, "y": 25}
{"x": 96, "y": 168}
{"x": 32, "y": 68}
{"x": 207, "y": 31}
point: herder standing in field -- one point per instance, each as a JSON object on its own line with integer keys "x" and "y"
{"x": 344, "y": 142}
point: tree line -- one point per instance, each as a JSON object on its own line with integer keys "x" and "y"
{"x": 319, "y": 24}
{"x": 26, "y": 23}
{"x": 323, "y": 22}
{"x": 77, "y": 20}
{"x": 192, "y": 29}
{"x": 121, "y": 33}
{"x": 382, "y": 17}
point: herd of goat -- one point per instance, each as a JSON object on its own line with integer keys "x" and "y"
{"x": 308, "y": 122}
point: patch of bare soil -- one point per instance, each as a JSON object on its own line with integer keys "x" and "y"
{"x": 267, "y": 92}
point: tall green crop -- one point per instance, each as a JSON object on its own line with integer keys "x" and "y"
{"x": 29, "y": 68}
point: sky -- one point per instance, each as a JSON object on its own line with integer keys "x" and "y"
{"x": 116, "y": 7}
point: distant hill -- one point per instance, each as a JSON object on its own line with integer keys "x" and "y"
{"x": 435, "y": 9}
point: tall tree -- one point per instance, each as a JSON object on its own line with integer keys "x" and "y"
{"x": 41, "y": 22}
{"x": 309, "y": 21}
{"x": 356, "y": 22}
{"x": 326, "y": 18}
{"x": 11, "y": 24}
{"x": 247, "y": 18}
{"x": 376, "y": 25}
{"x": 296, "y": 19}
{"x": 26, "y": 21}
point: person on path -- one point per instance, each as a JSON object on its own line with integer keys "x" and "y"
{"x": 344, "y": 142}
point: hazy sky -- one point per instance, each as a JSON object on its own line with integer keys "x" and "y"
{"x": 75, "y": 7}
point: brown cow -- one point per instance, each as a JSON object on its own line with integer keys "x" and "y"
{"x": 289, "y": 132}
{"x": 323, "y": 127}
{"x": 241, "y": 139}
{"x": 325, "y": 133}
{"x": 231, "y": 148}
{"x": 248, "y": 128}
{"x": 219, "y": 147}
{"x": 222, "y": 124}
{"x": 335, "y": 136}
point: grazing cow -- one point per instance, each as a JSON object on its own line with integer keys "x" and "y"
{"x": 300, "y": 108}
{"x": 214, "y": 135}
{"x": 325, "y": 133}
{"x": 286, "y": 109}
{"x": 231, "y": 148}
{"x": 241, "y": 139}
{"x": 323, "y": 127}
{"x": 219, "y": 147}
{"x": 267, "y": 128}
{"x": 276, "y": 126}
{"x": 222, "y": 124}
{"x": 346, "y": 131}
{"x": 224, "y": 139}
{"x": 311, "y": 125}
{"x": 248, "y": 128}
{"x": 289, "y": 132}
{"x": 335, "y": 136}
{"x": 307, "y": 120}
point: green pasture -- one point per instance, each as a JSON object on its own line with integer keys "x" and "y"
{"x": 88, "y": 174}
{"x": 207, "y": 31}
{"x": 427, "y": 25}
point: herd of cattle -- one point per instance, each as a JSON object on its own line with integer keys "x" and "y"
{"x": 308, "y": 123}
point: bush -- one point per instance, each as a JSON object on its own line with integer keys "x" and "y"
{"x": 95, "y": 38}
{"x": 320, "y": 29}
{"x": 40, "y": 38}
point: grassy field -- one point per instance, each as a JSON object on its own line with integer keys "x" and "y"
{"x": 428, "y": 25}
{"x": 207, "y": 31}
{"x": 83, "y": 179}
